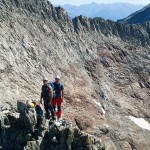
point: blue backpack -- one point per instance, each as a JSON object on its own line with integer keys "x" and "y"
{"x": 51, "y": 85}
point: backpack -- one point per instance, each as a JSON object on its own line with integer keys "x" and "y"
{"x": 52, "y": 85}
{"x": 39, "y": 111}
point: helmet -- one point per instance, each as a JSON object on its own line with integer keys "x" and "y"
{"x": 57, "y": 77}
{"x": 35, "y": 100}
{"x": 29, "y": 104}
{"x": 32, "y": 105}
{"x": 45, "y": 79}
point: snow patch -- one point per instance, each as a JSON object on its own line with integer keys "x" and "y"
{"x": 99, "y": 104}
{"x": 140, "y": 122}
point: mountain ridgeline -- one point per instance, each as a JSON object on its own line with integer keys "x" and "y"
{"x": 103, "y": 65}
{"x": 112, "y": 11}
{"x": 140, "y": 16}
{"x": 137, "y": 34}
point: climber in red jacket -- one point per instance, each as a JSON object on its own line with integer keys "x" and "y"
{"x": 58, "y": 96}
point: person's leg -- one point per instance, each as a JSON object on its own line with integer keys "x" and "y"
{"x": 52, "y": 111}
{"x": 59, "y": 103}
{"x": 54, "y": 103}
{"x": 39, "y": 122}
{"x": 46, "y": 110}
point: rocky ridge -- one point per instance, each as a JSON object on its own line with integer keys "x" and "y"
{"x": 18, "y": 131}
{"x": 138, "y": 17}
{"x": 104, "y": 66}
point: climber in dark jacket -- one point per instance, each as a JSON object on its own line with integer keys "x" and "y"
{"x": 47, "y": 95}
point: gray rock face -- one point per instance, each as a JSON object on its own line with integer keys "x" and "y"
{"x": 20, "y": 133}
{"x": 17, "y": 128}
{"x": 104, "y": 67}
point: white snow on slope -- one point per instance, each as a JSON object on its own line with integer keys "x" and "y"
{"x": 140, "y": 122}
{"x": 99, "y": 104}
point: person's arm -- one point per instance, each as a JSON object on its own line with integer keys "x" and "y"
{"x": 41, "y": 97}
{"x": 51, "y": 94}
{"x": 62, "y": 92}
{"x": 62, "y": 95}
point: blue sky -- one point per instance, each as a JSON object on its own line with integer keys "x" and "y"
{"x": 79, "y": 2}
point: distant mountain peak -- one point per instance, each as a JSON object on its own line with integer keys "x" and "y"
{"x": 141, "y": 16}
{"x": 112, "y": 11}
{"x": 93, "y": 3}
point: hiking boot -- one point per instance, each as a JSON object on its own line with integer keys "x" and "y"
{"x": 54, "y": 139}
{"x": 59, "y": 118}
{"x": 52, "y": 120}
{"x": 47, "y": 116}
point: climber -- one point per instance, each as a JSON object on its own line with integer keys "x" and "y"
{"x": 39, "y": 112}
{"x": 58, "y": 96}
{"x": 47, "y": 95}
